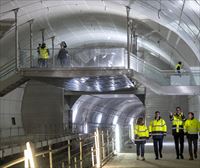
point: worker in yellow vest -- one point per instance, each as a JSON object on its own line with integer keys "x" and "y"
{"x": 179, "y": 67}
{"x": 178, "y": 119}
{"x": 44, "y": 55}
{"x": 141, "y": 135}
{"x": 158, "y": 129}
{"x": 192, "y": 128}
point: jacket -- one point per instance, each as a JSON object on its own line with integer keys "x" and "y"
{"x": 157, "y": 127}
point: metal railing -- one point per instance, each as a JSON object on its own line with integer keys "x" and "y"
{"x": 76, "y": 57}
{"x": 97, "y": 57}
{"x": 162, "y": 77}
{"x": 89, "y": 150}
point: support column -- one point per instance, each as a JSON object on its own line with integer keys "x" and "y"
{"x": 16, "y": 40}
{"x": 128, "y": 39}
{"x": 53, "y": 47}
{"x": 31, "y": 43}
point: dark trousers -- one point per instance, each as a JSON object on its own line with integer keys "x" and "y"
{"x": 179, "y": 141}
{"x": 158, "y": 144}
{"x": 193, "y": 141}
{"x": 140, "y": 148}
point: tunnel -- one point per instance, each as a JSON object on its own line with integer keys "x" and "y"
{"x": 80, "y": 78}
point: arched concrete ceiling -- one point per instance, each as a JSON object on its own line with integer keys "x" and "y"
{"x": 81, "y": 22}
{"x": 89, "y": 107}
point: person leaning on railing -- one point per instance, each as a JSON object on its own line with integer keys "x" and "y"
{"x": 141, "y": 135}
{"x": 44, "y": 53}
{"x": 63, "y": 53}
{"x": 179, "y": 67}
{"x": 191, "y": 129}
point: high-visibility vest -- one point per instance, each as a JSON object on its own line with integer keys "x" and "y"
{"x": 157, "y": 127}
{"x": 192, "y": 126}
{"x": 141, "y": 132}
{"x": 44, "y": 53}
{"x": 178, "y": 66}
{"x": 177, "y": 122}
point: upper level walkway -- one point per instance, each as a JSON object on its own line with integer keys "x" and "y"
{"x": 97, "y": 62}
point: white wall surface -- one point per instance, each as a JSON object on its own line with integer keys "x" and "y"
{"x": 10, "y": 106}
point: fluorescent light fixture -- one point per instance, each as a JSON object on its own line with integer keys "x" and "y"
{"x": 74, "y": 112}
{"x": 115, "y": 120}
{"x": 86, "y": 128}
{"x": 131, "y": 121}
{"x": 98, "y": 119}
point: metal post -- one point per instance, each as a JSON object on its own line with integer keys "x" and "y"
{"x": 98, "y": 148}
{"x": 128, "y": 39}
{"x": 63, "y": 164}
{"x": 50, "y": 157}
{"x": 53, "y": 58}
{"x": 81, "y": 153}
{"x": 16, "y": 40}
{"x": 92, "y": 155}
{"x": 75, "y": 162}
{"x": 108, "y": 143}
{"x": 31, "y": 43}
{"x": 103, "y": 145}
{"x": 69, "y": 153}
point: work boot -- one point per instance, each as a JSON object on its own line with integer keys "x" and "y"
{"x": 191, "y": 158}
{"x": 181, "y": 155}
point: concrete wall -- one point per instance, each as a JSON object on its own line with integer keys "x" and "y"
{"x": 10, "y": 107}
{"x": 194, "y": 105}
{"x": 164, "y": 104}
{"x": 42, "y": 109}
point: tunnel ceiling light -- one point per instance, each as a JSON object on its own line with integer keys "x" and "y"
{"x": 131, "y": 121}
{"x": 115, "y": 120}
{"x": 98, "y": 119}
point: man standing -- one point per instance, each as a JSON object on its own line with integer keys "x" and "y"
{"x": 158, "y": 130}
{"x": 191, "y": 128}
{"x": 178, "y": 119}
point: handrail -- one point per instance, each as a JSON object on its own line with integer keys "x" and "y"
{"x": 89, "y": 148}
{"x": 160, "y": 70}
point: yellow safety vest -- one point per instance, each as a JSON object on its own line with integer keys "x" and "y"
{"x": 177, "y": 122}
{"x": 44, "y": 53}
{"x": 158, "y": 127}
{"x": 141, "y": 131}
{"x": 178, "y": 66}
{"x": 192, "y": 126}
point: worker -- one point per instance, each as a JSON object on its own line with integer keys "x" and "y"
{"x": 141, "y": 135}
{"x": 63, "y": 53}
{"x": 44, "y": 53}
{"x": 178, "y": 119}
{"x": 191, "y": 129}
{"x": 158, "y": 129}
{"x": 179, "y": 67}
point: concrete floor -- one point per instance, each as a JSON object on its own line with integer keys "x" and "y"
{"x": 128, "y": 160}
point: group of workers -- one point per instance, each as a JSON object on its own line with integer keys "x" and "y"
{"x": 43, "y": 54}
{"x": 158, "y": 129}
